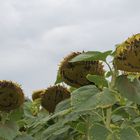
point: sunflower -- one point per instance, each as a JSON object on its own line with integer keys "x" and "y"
{"x": 127, "y": 55}
{"x": 74, "y": 73}
{"x": 11, "y": 96}
{"x": 52, "y": 96}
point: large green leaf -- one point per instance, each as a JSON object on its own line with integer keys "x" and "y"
{"x": 98, "y": 132}
{"x": 129, "y": 134}
{"x": 106, "y": 98}
{"x": 92, "y": 56}
{"x": 129, "y": 89}
{"x": 8, "y": 131}
{"x": 82, "y": 95}
{"x": 90, "y": 97}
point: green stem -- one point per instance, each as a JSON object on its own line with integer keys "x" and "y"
{"x": 108, "y": 117}
{"x": 86, "y": 137}
{"x": 111, "y": 87}
{"x": 121, "y": 107}
{"x": 109, "y": 67}
{"x": 87, "y": 133}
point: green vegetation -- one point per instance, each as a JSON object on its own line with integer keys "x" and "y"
{"x": 87, "y": 102}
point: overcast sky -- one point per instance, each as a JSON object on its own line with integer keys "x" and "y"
{"x": 36, "y": 34}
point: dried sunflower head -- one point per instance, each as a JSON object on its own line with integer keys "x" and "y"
{"x": 74, "y": 73}
{"x": 11, "y": 96}
{"x": 52, "y": 96}
{"x": 37, "y": 94}
{"x": 127, "y": 55}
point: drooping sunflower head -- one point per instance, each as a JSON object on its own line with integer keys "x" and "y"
{"x": 127, "y": 55}
{"x": 74, "y": 73}
{"x": 52, "y": 96}
{"x": 37, "y": 94}
{"x": 11, "y": 96}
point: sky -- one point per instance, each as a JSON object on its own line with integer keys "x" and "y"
{"x": 35, "y": 35}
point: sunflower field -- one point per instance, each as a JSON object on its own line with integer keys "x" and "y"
{"x": 96, "y": 96}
